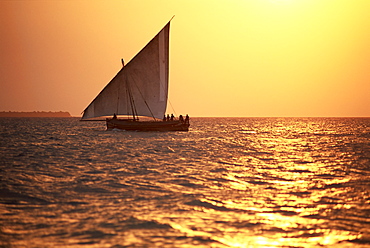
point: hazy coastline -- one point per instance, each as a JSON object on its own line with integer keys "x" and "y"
{"x": 34, "y": 114}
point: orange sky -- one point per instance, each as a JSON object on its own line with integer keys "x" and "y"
{"x": 227, "y": 57}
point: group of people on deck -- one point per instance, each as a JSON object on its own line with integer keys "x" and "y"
{"x": 172, "y": 117}
{"x": 168, "y": 118}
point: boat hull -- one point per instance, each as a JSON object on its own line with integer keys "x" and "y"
{"x": 163, "y": 126}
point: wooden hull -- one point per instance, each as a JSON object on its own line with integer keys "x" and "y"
{"x": 130, "y": 125}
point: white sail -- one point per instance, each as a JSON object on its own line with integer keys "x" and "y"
{"x": 143, "y": 82}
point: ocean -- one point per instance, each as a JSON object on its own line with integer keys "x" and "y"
{"x": 228, "y": 182}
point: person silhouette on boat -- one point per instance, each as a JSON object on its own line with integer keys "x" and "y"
{"x": 187, "y": 119}
{"x": 172, "y": 117}
{"x": 168, "y": 117}
{"x": 114, "y": 116}
{"x": 181, "y": 119}
{"x": 164, "y": 118}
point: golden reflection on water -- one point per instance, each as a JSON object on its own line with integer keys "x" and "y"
{"x": 281, "y": 191}
{"x": 285, "y": 184}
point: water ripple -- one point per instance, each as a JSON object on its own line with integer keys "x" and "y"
{"x": 229, "y": 182}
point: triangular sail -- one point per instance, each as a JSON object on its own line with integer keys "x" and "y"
{"x": 144, "y": 81}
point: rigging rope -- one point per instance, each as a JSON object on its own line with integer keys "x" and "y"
{"x": 142, "y": 96}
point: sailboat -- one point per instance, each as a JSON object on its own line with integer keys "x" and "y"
{"x": 139, "y": 91}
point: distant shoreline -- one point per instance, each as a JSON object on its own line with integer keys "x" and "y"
{"x": 34, "y": 114}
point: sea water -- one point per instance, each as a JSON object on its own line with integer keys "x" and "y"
{"x": 228, "y": 182}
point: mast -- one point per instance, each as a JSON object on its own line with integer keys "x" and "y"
{"x": 132, "y": 101}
